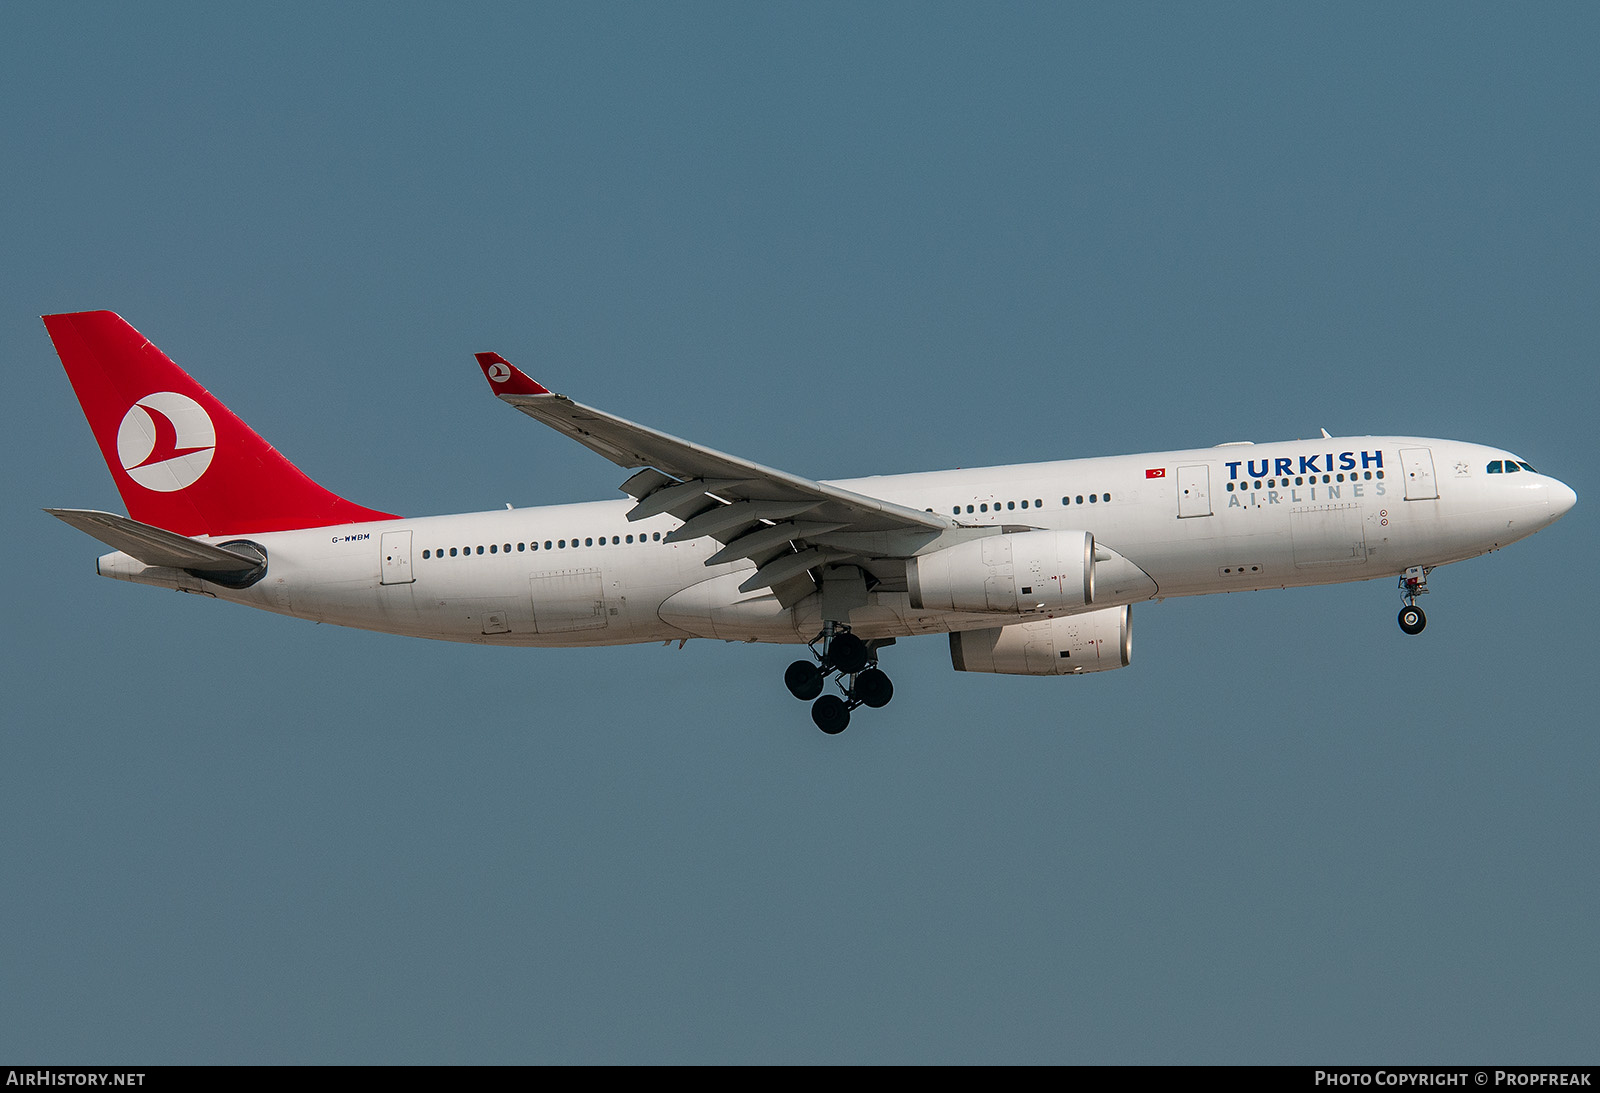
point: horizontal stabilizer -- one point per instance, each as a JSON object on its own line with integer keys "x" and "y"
{"x": 153, "y": 545}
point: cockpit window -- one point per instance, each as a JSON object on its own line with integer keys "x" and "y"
{"x": 1527, "y": 468}
{"x": 1494, "y": 468}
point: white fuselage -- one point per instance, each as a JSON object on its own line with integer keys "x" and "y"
{"x": 1180, "y": 523}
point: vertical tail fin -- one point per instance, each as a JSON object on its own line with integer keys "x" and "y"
{"x": 181, "y": 460}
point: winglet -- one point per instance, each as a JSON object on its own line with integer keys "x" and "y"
{"x": 505, "y": 378}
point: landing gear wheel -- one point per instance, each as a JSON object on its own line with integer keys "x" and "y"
{"x": 847, "y": 653}
{"x": 1412, "y": 620}
{"x": 804, "y": 680}
{"x": 831, "y": 714}
{"x": 872, "y": 688}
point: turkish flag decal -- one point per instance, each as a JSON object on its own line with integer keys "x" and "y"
{"x": 1156, "y": 472}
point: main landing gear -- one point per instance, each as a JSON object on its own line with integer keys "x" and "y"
{"x": 1413, "y": 583}
{"x": 854, "y": 665}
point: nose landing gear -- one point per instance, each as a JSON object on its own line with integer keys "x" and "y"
{"x": 1413, "y": 583}
{"x": 853, "y": 664}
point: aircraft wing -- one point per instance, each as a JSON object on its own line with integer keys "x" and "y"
{"x": 784, "y": 523}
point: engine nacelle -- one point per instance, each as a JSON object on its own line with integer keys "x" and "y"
{"x": 1094, "y": 641}
{"x": 1027, "y": 571}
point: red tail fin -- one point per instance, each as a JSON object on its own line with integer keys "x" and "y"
{"x": 180, "y": 458}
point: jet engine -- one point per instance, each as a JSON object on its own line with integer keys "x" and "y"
{"x": 1094, "y": 641}
{"x": 1026, "y": 571}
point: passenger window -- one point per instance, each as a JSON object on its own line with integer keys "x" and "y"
{"x": 562, "y": 543}
{"x": 480, "y": 550}
{"x": 1093, "y": 499}
{"x": 656, "y": 535}
{"x": 1105, "y": 497}
{"x": 547, "y": 544}
{"x": 1080, "y": 498}
{"x": 492, "y": 549}
{"x": 1024, "y": 504}
{"x": 983, "y": 508}
{"x": 1013, "y": 504}
{"x": 588, "y": 542}
{"x": 425, "y": 555}
{"x": 1066, "y": 500}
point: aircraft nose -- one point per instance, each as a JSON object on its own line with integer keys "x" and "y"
{"x": 1561, "y": 498}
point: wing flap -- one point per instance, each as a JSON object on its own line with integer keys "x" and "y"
{"x": 672, "y": 497}
{"x": 736, "y": 517}
{"x": 785, "y": 566}
{"x": 766, "y": 538}
{"x": 645, "y": 483}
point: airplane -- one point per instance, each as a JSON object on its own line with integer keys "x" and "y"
{"x": 1030, "y": 569}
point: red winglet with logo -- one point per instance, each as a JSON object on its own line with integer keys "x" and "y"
{"x": 506, "y": 378}
{"x": 181, "y": 459}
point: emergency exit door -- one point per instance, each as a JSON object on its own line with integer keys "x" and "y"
{"x": 1417, "y": 464}
{"x": 395, "y": 551}
{"x": 1194, "y": 491}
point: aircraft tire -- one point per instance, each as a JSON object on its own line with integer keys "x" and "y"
{"x": 1412, "y": 620}
{"x": 831, "y": 714}
{"x": 873, "y": 688}
{"x": 847, "y": 653}
{"x": 804, "y": 680}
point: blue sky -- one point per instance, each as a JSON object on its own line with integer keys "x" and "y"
{"x": 841, "y": 240}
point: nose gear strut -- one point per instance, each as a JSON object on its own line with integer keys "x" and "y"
{"x": 1413, "y": 583}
